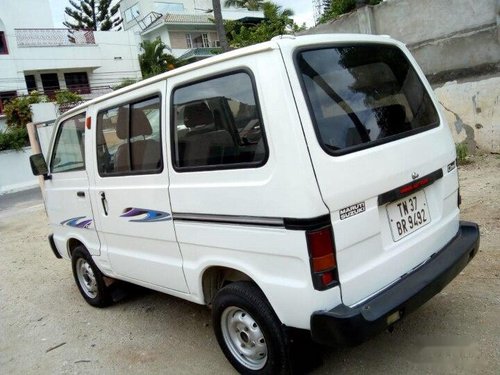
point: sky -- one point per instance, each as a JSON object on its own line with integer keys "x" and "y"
{"x": 303, "y": 10}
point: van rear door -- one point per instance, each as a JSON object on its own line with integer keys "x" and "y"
{"x": 380, "y": 151}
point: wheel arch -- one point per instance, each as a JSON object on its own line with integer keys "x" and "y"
{"x": 216, "y": 277}
{"x": 71, "y": 244}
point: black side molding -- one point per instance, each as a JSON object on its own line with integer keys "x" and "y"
{"x": 53, "y": 246}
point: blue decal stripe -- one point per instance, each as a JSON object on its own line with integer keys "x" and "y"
{"x": 74, "y": 222}
{"x": 148, "y": 215}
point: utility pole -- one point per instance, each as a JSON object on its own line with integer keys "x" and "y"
{"x": 219, "y": 25}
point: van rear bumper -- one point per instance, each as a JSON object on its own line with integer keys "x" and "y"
{"x": 344, "y": 325}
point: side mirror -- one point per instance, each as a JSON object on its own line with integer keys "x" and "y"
{"x": 39, "y": 166}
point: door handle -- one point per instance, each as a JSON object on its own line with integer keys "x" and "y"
{"x": 80, "y": 194}
{"x": 104, "y": 202}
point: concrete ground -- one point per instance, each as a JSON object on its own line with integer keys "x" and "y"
{"x": 46, "y": 327}
{"x": 27, "y": 199}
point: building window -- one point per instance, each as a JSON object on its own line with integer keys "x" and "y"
{"x": 197, "y": 40}
{"x": 3, "y": 44}
{"x": 217, "y": 124}
{"x": 30, "y": 82}
{"x": 128, "y": 139}
{"x": 5, "y": 96}
{"x": 77, "y": 82}
{"x": 132, "y": 13}
{"x": 50, "y": 84}
{"x": 162, "y": 7}
{"x": 189, "y": 41}
{"x": 205, "y": 40}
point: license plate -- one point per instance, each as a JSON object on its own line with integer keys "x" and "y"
{"x": 408, "y": 215}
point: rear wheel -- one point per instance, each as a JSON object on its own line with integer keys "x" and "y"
{"x": 248, "y": 331}
{"x": 89, "y": 279}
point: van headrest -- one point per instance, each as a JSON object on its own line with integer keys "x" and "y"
{"x": 140, "y": 123}
{"x": 197, "y": 114}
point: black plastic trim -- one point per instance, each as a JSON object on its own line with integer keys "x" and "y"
{"x": 344, "y": 325}
{"x": 53, "y": 246}
{"x": 394, "y": 194}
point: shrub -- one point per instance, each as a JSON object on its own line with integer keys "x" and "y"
{"x": 126, "y": 82}
{"x": 65, "y": 96}
{"x": 14, "y": 139}
{"x": 462, "y": 153}
{"x": 18, "y": 110}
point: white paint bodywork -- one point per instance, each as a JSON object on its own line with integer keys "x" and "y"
{"x": 299, "y": 180}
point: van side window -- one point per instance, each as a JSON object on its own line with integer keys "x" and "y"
{"x": 128, "y": 139}
{"x": 69, "y": 147}
{"x": 217, "y": 124}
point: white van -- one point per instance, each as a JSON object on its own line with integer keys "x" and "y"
{"x": 304, "y": 183}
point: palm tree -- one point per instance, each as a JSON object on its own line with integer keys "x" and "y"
{"x": 249, "y": 4}
{"x": 153, "y": 60}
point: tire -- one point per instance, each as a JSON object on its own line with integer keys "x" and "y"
{"x": 89, "y": 279}
{"x": 248, "y": 331}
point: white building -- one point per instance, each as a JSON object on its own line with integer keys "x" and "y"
{"x": 36, "y": 56}
{"x": 185, "y": 26}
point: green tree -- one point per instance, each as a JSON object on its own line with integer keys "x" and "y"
{"x": 277, "y": 21}
{"x": 339, "y": 7}
{"x": 249, "y": 4}
{"x": 93, "y": 15}
{"x": 154, "y": 60}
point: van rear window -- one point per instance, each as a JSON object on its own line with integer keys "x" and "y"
{"x": 364, "y": 95}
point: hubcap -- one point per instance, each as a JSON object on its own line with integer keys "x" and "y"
{"x": 244, "y": 338}
{"x": 86, "y": 278}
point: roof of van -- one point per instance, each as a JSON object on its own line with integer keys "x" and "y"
{"x": 276, "y": 42}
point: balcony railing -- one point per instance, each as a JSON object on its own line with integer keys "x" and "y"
{"x": 207, "y": 44}
{"x": 53, "y": 37}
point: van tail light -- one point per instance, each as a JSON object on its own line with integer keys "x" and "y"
{"x": 321, "y": 248}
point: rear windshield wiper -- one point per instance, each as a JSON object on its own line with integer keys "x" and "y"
{"x": 309, "y": 71}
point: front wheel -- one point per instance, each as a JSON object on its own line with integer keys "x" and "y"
{"x": 89, "y": 278}
{"x": 248, "y": 331}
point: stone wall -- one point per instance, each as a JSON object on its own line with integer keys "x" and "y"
{"x": 473, "y": 112}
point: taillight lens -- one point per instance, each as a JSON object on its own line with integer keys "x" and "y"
{"x": 321, "y": 248}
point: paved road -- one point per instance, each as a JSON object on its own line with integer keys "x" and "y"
{"x": 14, "y": 203}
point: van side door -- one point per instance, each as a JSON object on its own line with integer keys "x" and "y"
{"x": 130, "y": 191}
{"x": 67, "y": 191}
